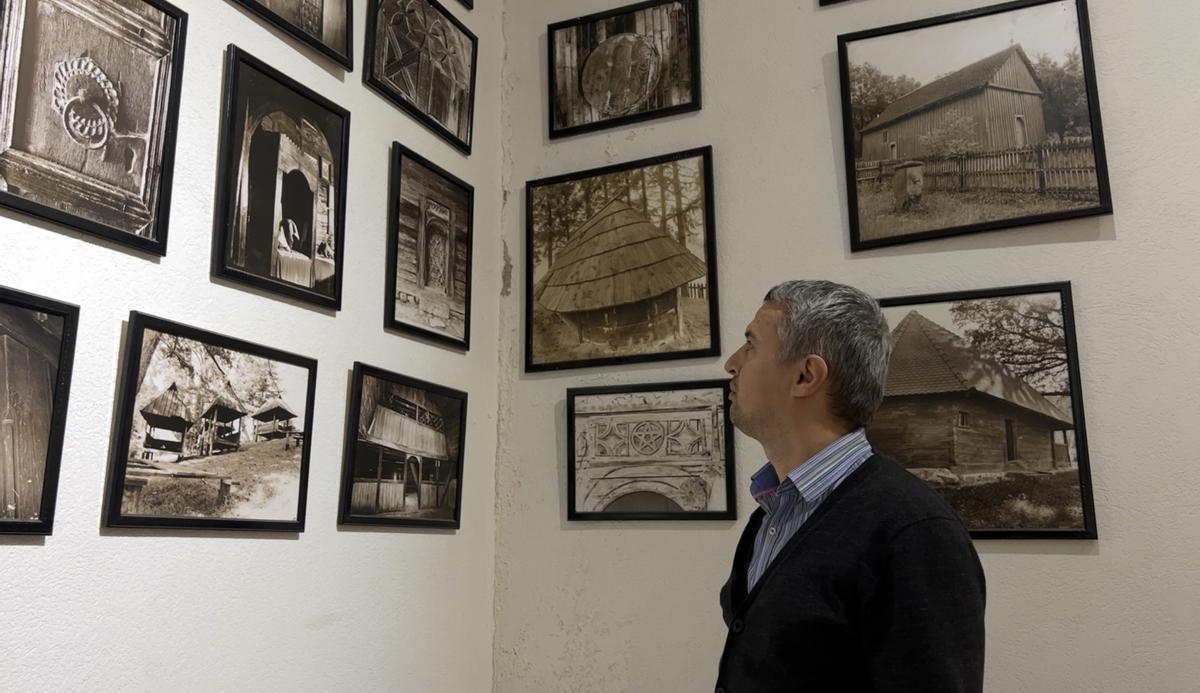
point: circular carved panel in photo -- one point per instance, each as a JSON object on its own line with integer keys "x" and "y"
{"x": 620, "y": 74}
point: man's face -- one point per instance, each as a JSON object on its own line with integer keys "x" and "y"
{"x": 761, "y": 384}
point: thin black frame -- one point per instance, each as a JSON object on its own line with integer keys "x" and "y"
{"x": 162, "y": 211}
{"x": 730, "y": 512}
{"x": 398, "y": 154}
{"x": 227, "y": 162}
{"x": 710, "y": 259}
{"x": 1063, "y": 289}
{"x": 44, "y": 525}
{"x": 126, "y": 400}
{"x": 381, "y": 88}
{"x": 469, "y": 4}
{"x": 345, "y": 59}
{"x": 1104, "y": 206}
{"x": 354, "y": 405}
{"x": 693, "y": 8}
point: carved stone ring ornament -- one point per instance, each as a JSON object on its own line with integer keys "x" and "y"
{"x": 620, "y": 74}
{"x": 647, "y": 437}
{"x": 87, "y": 100}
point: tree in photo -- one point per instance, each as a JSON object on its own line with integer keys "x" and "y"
{"x": 1025, "y": 335}
{"x": 956, "y": 137}
{"x": 872, "y": 91}
{"x": 1065, "y": 99}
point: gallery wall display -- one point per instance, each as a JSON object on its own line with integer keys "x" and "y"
{"x": 325, "y": 26}
{"x": 621, "y": 264}
{"x": 976, "y": 121}
{"x": 403, "y": 460}
{"x": 212, "y": 432}
{"x": 624, "y": 65}
{"x": 37, "y": 346}
{"x": 281, "y": 188}
{"x": 430, "y": 233}
{"x": 421, "y": 58}
{"x": 983, "y": 402}
{"x": 88, "y": 112}
{"x": 661, "y": 451}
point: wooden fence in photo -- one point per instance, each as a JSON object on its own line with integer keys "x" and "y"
{"x": 695, "y": 290}
{"x": 1058, "y": 169}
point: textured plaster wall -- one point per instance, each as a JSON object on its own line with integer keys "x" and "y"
{"x": 326, "y": 610}
{"x": 609, "y": 607}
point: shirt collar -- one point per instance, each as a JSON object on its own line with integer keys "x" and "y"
{"x": 817, "y": 475}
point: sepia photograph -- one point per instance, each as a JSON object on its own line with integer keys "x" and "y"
{"x": 430, "y": 227}
{"x": 323, "y": 25}
{"x": 620, "y": 264}
{"x": 625, "y": 65}
{"x": 983, "y": 403}
{"x": 650, "y": 452}
{"x": 281, "y": 185}
{"x": 88, "y": 113}
{"x": 37, "y": 346}
{"x": 983, "y": 120}
{"x": 213, "y": 432}
{"x": 403, "y": 461}
{"x": 421, "y": 58}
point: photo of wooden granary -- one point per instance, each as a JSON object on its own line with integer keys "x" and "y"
{"x": 275, "y": 419}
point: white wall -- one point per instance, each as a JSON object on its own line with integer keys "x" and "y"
{"x": 632, "y": 606}
{"x": 89, "y": 609}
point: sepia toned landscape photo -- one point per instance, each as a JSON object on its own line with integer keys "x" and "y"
{"x": 620, "y": 264}
{"x": 982, "y": 402}
{"x": 322, "y": 24}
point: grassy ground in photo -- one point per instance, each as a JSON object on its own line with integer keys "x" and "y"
{"x": 555, "y": 341}
{"x": 1043, "y": 501}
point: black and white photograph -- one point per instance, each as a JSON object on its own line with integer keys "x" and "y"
{"x": 423, "y": 59}
{"x": 983, "y": 402}
{"x": 625, "y": 65}
{"x": 281, "y": 185}
{"x": 213, "y": 432}
{"x": 620, "y": 264}
{"x": 403, "y": 461}
{"x": 37, "y": 347}
{"x": 661, "y": 451}
{"x": 430, "y": 231}
{"x": 983, "y": 120}
{"x": 323, "y": 25}
{"x": 88, "y": 113}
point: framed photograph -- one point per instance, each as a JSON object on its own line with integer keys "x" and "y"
{"x": 212, "y": 432}
{"x": 650, "y": 452}
{"x": 89, "y": 102}
{"x": 983, "y": 402}
{"x": 281, "y": 188}
{"x": 981, "y": 120}
{"x": 403, "y": 461}
{"x": 323, "y": 25}
{"x": 469, "y": 4}
{"x": 621, "y": 264}
{"x": 421, "y": 58}
{"x": 625, "y": 65}
{"x": 37, "y": 346}
{"x": 430, "y": 232}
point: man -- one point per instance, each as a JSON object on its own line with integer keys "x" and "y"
{"x": 852, "y": 575}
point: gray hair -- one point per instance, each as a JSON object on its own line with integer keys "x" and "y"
{"x": 845, "y": 327}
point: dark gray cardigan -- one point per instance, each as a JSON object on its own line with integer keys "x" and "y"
{"x": 880, "y": 590}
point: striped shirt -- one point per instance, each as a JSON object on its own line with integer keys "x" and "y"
{"x": 790, "y": 503}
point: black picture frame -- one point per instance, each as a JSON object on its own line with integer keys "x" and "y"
{"x": 138, "y": 356}
{"x": 417, "y": 288}
{"x": 378, "y": 82}
{"x": 823, "y": 3}
{"x": 85, "y": 198}
{"x": 565, "y": 76}
{"x": 344, "y": 57}
{"x": 23, "y": 417}
{"x": 664, "y": 489}
{"x": 1017, "y": 442}
{"x": 1055, "y": 174}
{"x": 469, "y": 4}
{"x": 355, "y": 439}
{"x": 708, "y": 215}
{"x": 234, "y": 162}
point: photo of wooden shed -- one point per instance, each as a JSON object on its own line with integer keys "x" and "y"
{"x": 221, "y": 426}
{"x": 167, "y": 422}
{"x": 274, "y": 419}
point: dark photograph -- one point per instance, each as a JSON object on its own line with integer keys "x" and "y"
{"x": 282, "y": 185}
{"x": 214, "y": 432}
{"x": 403, "y": 461}
{"x": 972, "y": 122}
{"x": 88, "y": 114}
{"x": 650, "y": 452}
{"x": 625, "y": 65}
{"x": 620, "y": 264}
{"x": 430, "y": 228}
{"x": 324, "y": 25}
{"x": 37, "y": 344}
{"x": 420, "y": 57}
{"x": 983, "y": 403}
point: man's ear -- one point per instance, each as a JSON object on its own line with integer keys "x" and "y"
{"x": 809, "y": 376}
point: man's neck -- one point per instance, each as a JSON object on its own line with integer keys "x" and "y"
{"x": 800, "y": 444}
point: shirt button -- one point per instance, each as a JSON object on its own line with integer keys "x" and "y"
{"x": 771, "y": 531}
{"x": 737, "y": 626}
